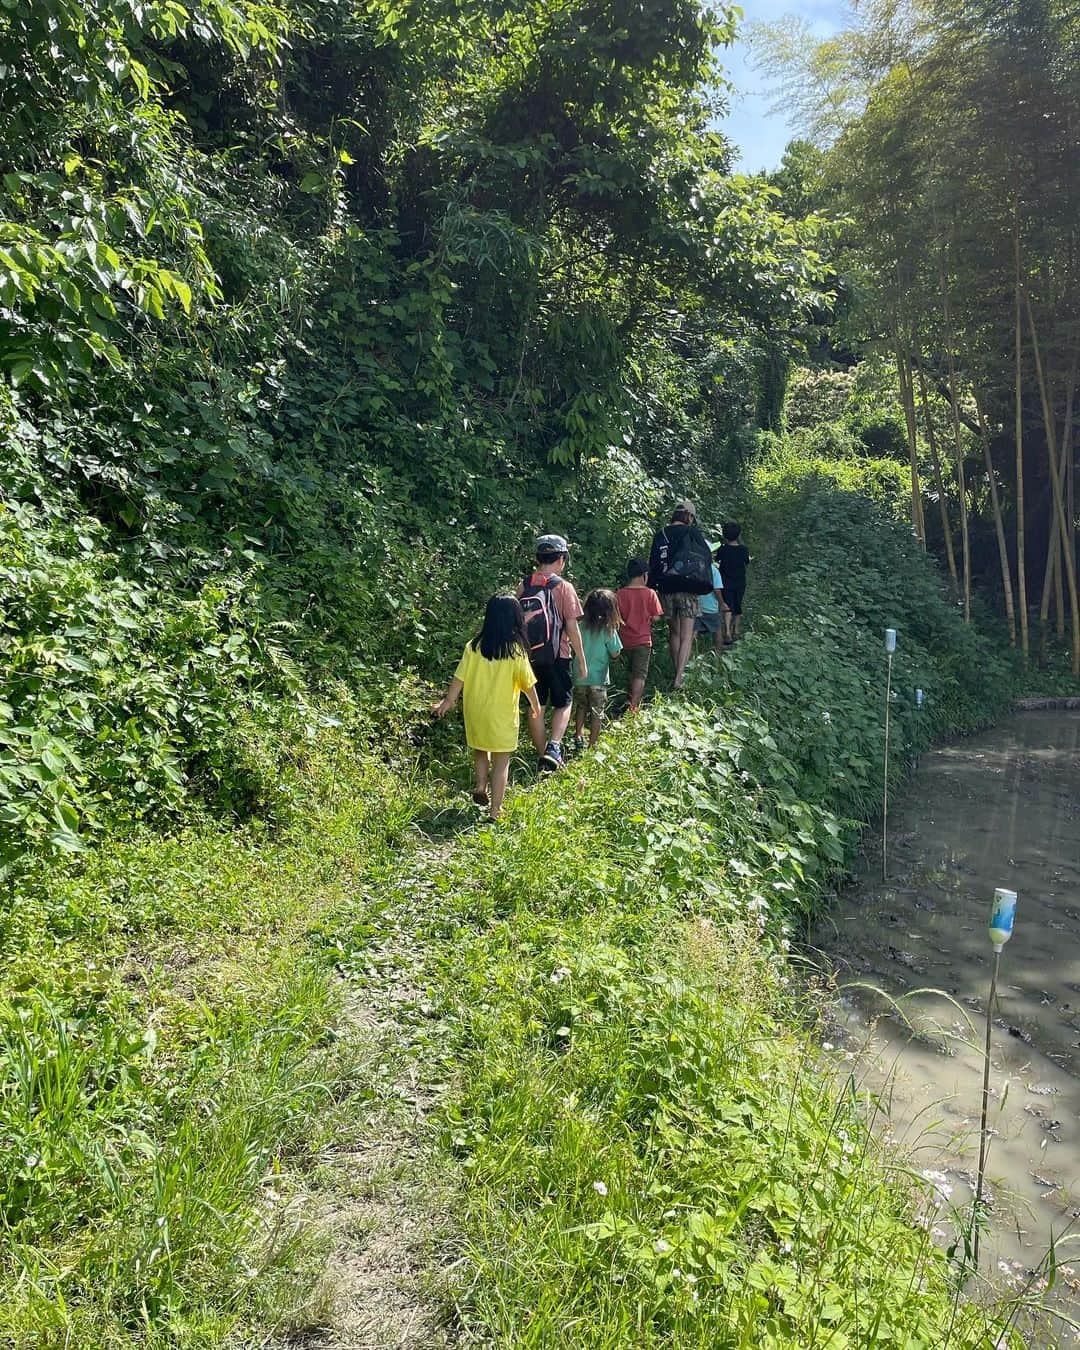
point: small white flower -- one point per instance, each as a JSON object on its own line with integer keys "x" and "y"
{"x": 786, "y": 1248}
{"x": 660, "y": 1246}
{"x": 559, "y": 974}
{"x": 1004, "y": 1267}
{"x": 599, "y": 1188}
{"x": 827, "y": 1045}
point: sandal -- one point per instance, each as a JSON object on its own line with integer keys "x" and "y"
{"x": 480, "y": 797}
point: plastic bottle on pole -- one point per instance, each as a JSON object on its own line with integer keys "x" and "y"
{"x": 1001, "y": 917}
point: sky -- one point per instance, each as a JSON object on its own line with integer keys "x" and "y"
{"x": 760, "y": 135}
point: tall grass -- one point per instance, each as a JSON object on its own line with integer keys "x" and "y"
{"x": 653, "y": 1150}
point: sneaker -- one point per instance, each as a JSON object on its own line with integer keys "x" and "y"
{"x": 579, "y": 744}
{"x": 552, "y": 758}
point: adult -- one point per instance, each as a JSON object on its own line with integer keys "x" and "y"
{"x": 552, "y": 610}
{"x": 679, "y": 554}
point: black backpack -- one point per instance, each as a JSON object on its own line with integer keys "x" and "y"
{"x": 543, "y": 622}
{"x": 688, "y": 565}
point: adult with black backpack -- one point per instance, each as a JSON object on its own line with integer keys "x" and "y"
{"x": 552, "y": 610}
{"x": 680, "y": 571}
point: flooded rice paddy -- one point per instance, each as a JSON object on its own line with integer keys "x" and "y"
{"x": 912, "y": 959}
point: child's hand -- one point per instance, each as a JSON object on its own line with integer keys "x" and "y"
{"x": 440, "y": 709}
{"x": 536, "y": 712}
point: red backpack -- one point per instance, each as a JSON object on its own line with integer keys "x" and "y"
{"x": 543, "y": 622}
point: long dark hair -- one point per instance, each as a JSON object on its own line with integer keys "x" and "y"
{"x": 602, "y": 611}
{"x": 503, "y": 633}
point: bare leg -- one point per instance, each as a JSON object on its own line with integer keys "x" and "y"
{"x": 481, "y": 764}
{"x": 560, "y": 720}
{"x": 500, "y": 771}
{"x": 718, "y": 638}
{"x": 673, "y": 644}
{"x": 579, "y": 720}
{"x": 538, "y": 733}
{"x": 683, "y": 632}
{"x": 637, "y": 690}
{"x": 594, "y": 729}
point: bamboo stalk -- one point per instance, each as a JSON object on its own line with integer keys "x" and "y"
{"x": 907, "y": 398}
{"x": 1059, "y": 502}
{"x": 1021, "y": 576}
{"x": 999, "y": 522}
{"x": 958, "y": 446}
{"x": 939, "y": 484}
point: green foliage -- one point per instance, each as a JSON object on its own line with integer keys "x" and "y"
{"x": 609, "y": 1001}
{"x": 310, "y": 317}
{"x": 169, "y": 1061}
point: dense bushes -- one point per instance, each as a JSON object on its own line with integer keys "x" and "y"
{"x": 309, "y": 317}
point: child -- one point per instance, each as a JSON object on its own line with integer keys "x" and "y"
{"x": 552, "y": 611}
{"x": 493, "y": 671}
{"x": 711, "y": 618}
{"x": 732, "y": 559}
{"x": 600, "y": 640}
{"x": 639, "y": 606}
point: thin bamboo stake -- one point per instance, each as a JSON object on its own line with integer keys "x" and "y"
{"x": 983, "y": 1140}
{"x": 999, "y": 522}
{"x": 1021, "y": 576}
{"x": 1059, "y": 503}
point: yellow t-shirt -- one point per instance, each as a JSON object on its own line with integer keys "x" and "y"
{"x": 490, "y": 698}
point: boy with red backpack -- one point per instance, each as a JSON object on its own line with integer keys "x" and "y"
{"x": 552, "y": 610}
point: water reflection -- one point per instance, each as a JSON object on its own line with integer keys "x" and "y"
{"x": 1001, "y": 809}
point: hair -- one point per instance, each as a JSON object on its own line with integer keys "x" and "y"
{"x": 545, "y": 558}
{"x": 682, "y": 515}
{"x": 636, "y": 567}
{"x": 731, "y": 531}
{"x": 602, "y": 611}
{"x": 503, "y": 633}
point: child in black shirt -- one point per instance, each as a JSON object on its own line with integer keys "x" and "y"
{"x": 732, "y": 559}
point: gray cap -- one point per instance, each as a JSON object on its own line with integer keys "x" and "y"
{"x": 552, "y": 543}
{"x": 685, "y": 505}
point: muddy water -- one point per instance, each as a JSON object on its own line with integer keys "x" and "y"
{"x": 1000, "y": 809}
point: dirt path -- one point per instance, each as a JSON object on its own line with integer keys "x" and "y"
{"x": 386, "y": 1197}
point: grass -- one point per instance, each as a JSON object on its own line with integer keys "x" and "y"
{"x": 589, "y": 1008}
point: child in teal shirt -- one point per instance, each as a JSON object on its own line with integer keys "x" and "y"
{"x": 600, "y": 641}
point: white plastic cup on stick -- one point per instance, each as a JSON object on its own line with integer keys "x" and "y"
{"x": 890, "y": 640}
{"x": 920, "y": 698}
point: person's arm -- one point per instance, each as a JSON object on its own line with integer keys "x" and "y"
{"x": 654, "y": 560}
{"x": 535, "y": 709}
{"x": 573, "y": 636}
{"x": 453, "y": 693}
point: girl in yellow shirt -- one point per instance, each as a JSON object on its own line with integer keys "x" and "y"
{"x": 493, "y": 672}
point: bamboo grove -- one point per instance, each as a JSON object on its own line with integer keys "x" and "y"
{"x": 951, "y": 129}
